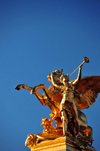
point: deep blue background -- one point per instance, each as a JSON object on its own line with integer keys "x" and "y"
{"x": 36, "y": 38}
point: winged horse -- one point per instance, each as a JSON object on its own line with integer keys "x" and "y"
{"x": 88, "y": 86}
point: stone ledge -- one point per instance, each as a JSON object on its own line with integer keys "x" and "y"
{"x": 61, "y": 144}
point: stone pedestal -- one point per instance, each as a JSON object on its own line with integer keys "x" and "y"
{"x": 62, "y": 144}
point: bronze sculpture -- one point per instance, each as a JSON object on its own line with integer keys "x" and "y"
{"x": 68, "y": 106}
{"x": 66, "y": 100}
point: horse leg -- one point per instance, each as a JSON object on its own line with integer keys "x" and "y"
{"x": 38, "y": 95}
{"x": 41, "y": 86}
{"x": 45, "y": 98}
{"x": 18, "y": 87}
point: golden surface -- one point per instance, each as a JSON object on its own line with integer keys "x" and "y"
{"x": 65, "y": 100}
{"x": 62, "y": 143}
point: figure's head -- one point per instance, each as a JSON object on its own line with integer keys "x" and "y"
{"x": 56, "y": 73}
{"x": 64, "y": 78}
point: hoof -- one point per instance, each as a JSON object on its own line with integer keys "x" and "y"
{"x": 17, "y": 87}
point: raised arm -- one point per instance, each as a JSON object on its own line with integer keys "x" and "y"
{"x": 79, "y": 76}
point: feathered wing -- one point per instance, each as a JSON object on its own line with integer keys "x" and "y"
{"x": 89, "y": 88}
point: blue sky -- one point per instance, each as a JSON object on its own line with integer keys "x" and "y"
{"x": 36, "y": 38}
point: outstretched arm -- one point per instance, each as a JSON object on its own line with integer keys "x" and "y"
{"x": 79, "y": 76}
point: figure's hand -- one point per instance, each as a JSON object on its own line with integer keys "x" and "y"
{"x": 80, "y": 67}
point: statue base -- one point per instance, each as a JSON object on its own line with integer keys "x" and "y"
{"x": 62, "y": 144}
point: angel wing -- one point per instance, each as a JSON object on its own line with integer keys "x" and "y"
{"x": 89, "y": 87}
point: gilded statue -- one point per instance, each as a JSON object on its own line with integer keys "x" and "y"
{"x": 68, "y": 106}
{"x": 66, "y": 100}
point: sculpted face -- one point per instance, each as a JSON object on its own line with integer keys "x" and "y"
{"x": 57, "y": 74}
{"x": 64, "y": 78}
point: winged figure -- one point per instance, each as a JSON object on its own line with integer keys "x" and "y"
{"x": 84, "y": 94}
